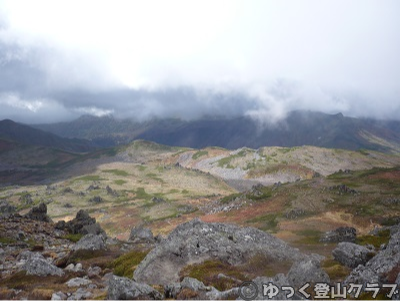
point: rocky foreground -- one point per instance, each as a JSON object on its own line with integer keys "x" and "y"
{"x": 75, "y": 260}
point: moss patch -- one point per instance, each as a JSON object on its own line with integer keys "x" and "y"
{"x": 126, "y": 264}
{"x": 382, "y": 238}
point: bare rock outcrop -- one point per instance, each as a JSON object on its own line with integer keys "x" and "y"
{"x": 340, "y": 234}
{"x": 351, "y": 255}
{"x": 196, "y": 241}
{"x": 91, "y": 242}
{"x": 35, "y": 264}
{"x": 83, "y": 223}
{"x": 382, "y": 267}
{"x": 121, "y": 288}
{"x": 39, "y": 213}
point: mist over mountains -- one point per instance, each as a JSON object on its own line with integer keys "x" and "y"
{"x": 297, "y": 129}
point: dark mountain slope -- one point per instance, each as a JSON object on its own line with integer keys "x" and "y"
{"x": 27, "y": 135}
{"x": 299, "y": 128}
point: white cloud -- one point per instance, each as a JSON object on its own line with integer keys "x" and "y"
{"x": 333, "y": 56}
{"x": 94, "y": 111}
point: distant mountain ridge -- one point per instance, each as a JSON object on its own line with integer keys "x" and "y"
{"x": 28, "y": 135}
{"x": 297, "y": 129}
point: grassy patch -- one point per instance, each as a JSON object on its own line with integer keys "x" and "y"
{"x": 154, "y": 177}
{"x": 208, "y": 271}
{"x": 73, "y": 237}
{"x": 142, "y": 167}
{"x": 116, "y": 172}
{"x": 382, "y": 238}
{"x": 229, "y": 198}
{"x": 126, "y": 264}
{"x": 199, "y": 154}
{"x": 7, "y": 240}
{"x": 262, "y": 265}
{"x": 142, "y": 194}
{"x": 268, "y": 222}
{"x": 335, "y": 270}
{"x": 309, "y": 236}
{"x": 90, "y": 178}
{"x": 120, "y": 182}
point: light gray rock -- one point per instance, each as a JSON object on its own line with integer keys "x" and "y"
{"x": 121, "y": 288}
{"x": 196, "y": 241}
{"x": 308, "y": 270}
{"x": 80, "y": 294}
{"x": 76, "y": 282}
{"x": 93, "y": 271}
{"x": 377, "y": 269}
{"x": 194, "y": 284}
{"x": 140, "y": 234}
{"x": 36, "y": 264}
{"x": 91, "y": 242}
{"x": 279, "y": 280}
{"x": 59, "y": 296}
{"x": 351, "y": 255}
{"x": 340, "y": 234}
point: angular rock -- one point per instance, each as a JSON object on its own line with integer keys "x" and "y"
{"x": 80, "y": 294}
{"x": 36, "y": 264}
{"x": 121, "y": 288}
{"x": 83, "y": 223}
{"x": 308, "y": 270}
{"x": 96, "y": 200}
{"x": 39, "y": 213}
{"x": 340, "y": 234}
{"x": 380, "y": 266}
{"x": 59, "y": 296}
{"x": 157, "y": 200}
{"x": 93, "y": 271}
{"x": 111, "y": 191}
{"x": 140, "y": 234}
{"x": 194, "y": 284}
{"x": 75, "y": 282}
{"x": 351, "y": 255}
{"x": 6, "y": 209}
{"x": 196, "y": 241}
{"x": 91, "y": 242}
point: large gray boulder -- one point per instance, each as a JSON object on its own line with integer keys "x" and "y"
{"x": 380, "y": 266}
{"x": 39, "y": 213}
{"x": 83, "y": 223}
{"x": 196, "y": 241}
{"x": 351, "y": 255}
{"x": 35, "y": 264}
{"x": 141, "y": 234}
{"x": 340, "y": 234}
{"x": 121, "y": 288}
{"x": 6, "y": 209}
{"x": 307, "y": 270}
{"x": 91, "y": 242}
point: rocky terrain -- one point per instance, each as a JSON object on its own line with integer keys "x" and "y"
{"x": 76, "y": 260}
{"x": 151, "y": 221}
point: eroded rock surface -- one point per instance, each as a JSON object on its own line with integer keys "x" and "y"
{"x": 196, "y": 241}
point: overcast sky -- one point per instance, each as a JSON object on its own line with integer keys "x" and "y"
{"x": 142, "y": 59}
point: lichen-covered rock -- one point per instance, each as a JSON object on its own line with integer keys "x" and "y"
{"x": 351, "y": 255}
{"x": 140, "y": 234}
{"x": 340, "y": 234}
{"x": 39, "y": 213}
{"x": 121, "y": 288}
{"x": 196, "y": 241}
{"x": 78, "y": 281}
{"x": 308, "y": 270}
{"x": 36, "y": 264}
{"x": 378, "y": 269}
{"x": 83, "y": 223}
{"x": 6, "y": 209}
{"x": 91, "y": 242}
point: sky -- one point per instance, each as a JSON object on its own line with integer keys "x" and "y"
{"x": 187, "y": 59}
